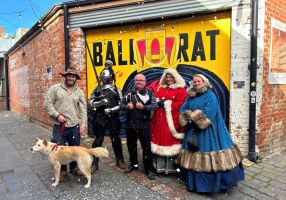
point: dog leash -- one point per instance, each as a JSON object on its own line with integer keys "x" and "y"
{"x": 63, "y": 126}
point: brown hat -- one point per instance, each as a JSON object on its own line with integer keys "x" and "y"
{"x": 71, "y": 71}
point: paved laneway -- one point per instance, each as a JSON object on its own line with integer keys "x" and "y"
{"x": 263, "y": 180}
{"x": 24, "y": 175}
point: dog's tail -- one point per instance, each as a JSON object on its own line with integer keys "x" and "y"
{"x": 99, "y": 152}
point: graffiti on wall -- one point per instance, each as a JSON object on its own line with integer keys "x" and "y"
{"x": 200, "y": 45}
{"x": 20, "y": 86}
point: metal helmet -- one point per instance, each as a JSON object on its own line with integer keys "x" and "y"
{"x": 106, "y": 76}
{"x": 108, "y": 64}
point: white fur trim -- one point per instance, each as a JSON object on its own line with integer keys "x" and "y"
{"x": 170, "y": 122}
{"x": 205, "y": 79}
{"x": 179, "y": 81}
{"x": 168, "y": 105}
{"x": 165, "y": 150}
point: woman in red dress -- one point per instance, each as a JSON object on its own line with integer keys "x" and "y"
{"x": 166, "y": 135}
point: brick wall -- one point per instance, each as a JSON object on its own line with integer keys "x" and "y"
{"x": 240, "y": 51}
{"x": 35, "y": 67}
{"x": 78, "y": 55}
{"x": 2, "y": 105}
{"x": 240, "y": 59}
{"x": 271, "y": 99}
{"x": 271, "y": 136}
{"x": 29, "y": 67}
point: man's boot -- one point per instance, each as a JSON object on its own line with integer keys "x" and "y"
{"x": 131, "y": 168}
{"x": 151, "y": 175}
{"x": 94, "y": 166}
{"x": 150, "y": 171}
{"x": 120, "y": 164}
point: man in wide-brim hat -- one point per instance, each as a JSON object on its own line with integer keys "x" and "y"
{"x": 66, "y": 105}
{"x": 71, "y": 71}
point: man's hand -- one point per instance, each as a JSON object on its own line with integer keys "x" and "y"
{"x": 104, "y": 101}
{"x": 61, "y": 118}
{"x": 139, "y": 106}
{"x": 129, "y": 106}
{"x": 107, "y": 111}
{"x": 82, "y": 129}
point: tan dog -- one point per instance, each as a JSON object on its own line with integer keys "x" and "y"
{"x": 59, "y": 155}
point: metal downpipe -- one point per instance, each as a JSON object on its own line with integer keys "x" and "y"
{"x": 252, "y": 154}
{"x": 66, "y": 38}
{"x": 7, "y": 82}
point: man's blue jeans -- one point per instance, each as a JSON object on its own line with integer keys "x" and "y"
{"x": 71, "y": 136}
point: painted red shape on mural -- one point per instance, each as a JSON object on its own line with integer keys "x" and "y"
{"x": 142, "y": 49}
{"x": 169, "y": 47}
{"x": 155, "y": 51}
{"x": 119, "y": 74}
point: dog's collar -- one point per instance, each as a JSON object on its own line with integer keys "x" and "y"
{"x": 55, "y": 147}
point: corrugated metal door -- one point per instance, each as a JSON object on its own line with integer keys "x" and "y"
{"x": 146, "y": 11}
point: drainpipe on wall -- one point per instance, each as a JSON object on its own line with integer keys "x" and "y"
{"x": 7, "y": 82}
{"x": 66, "y": 38}
{"x": 252, "y": 154}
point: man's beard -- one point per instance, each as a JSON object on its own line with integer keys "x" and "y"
{"x": 69, "y": 83}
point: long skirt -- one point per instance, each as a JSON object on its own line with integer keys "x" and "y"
{"x": 212, "y": 182}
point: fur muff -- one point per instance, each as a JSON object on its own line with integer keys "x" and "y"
{"x": 197, "y": 116}
{"x": 183, "y": 118}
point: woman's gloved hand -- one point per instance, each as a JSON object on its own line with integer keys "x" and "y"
{"x": 160, "y": 103}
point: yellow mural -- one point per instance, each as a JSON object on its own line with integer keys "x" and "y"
{"x": 202, "y": 41}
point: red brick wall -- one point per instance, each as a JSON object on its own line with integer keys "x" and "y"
{"x": 29, "y": 80}
{"x": 78, "y": 55}
{"x": 28, "y": 75}
{"x": 2, "y": 105}
{"x": 271, "y": 137}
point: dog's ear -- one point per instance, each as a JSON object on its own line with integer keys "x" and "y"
{"x": 45, "y": 142}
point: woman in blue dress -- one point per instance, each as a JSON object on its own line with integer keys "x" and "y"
{"x": 209, "y": 159}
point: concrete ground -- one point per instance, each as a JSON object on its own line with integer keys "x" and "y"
{"x": 24, "y": 175}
